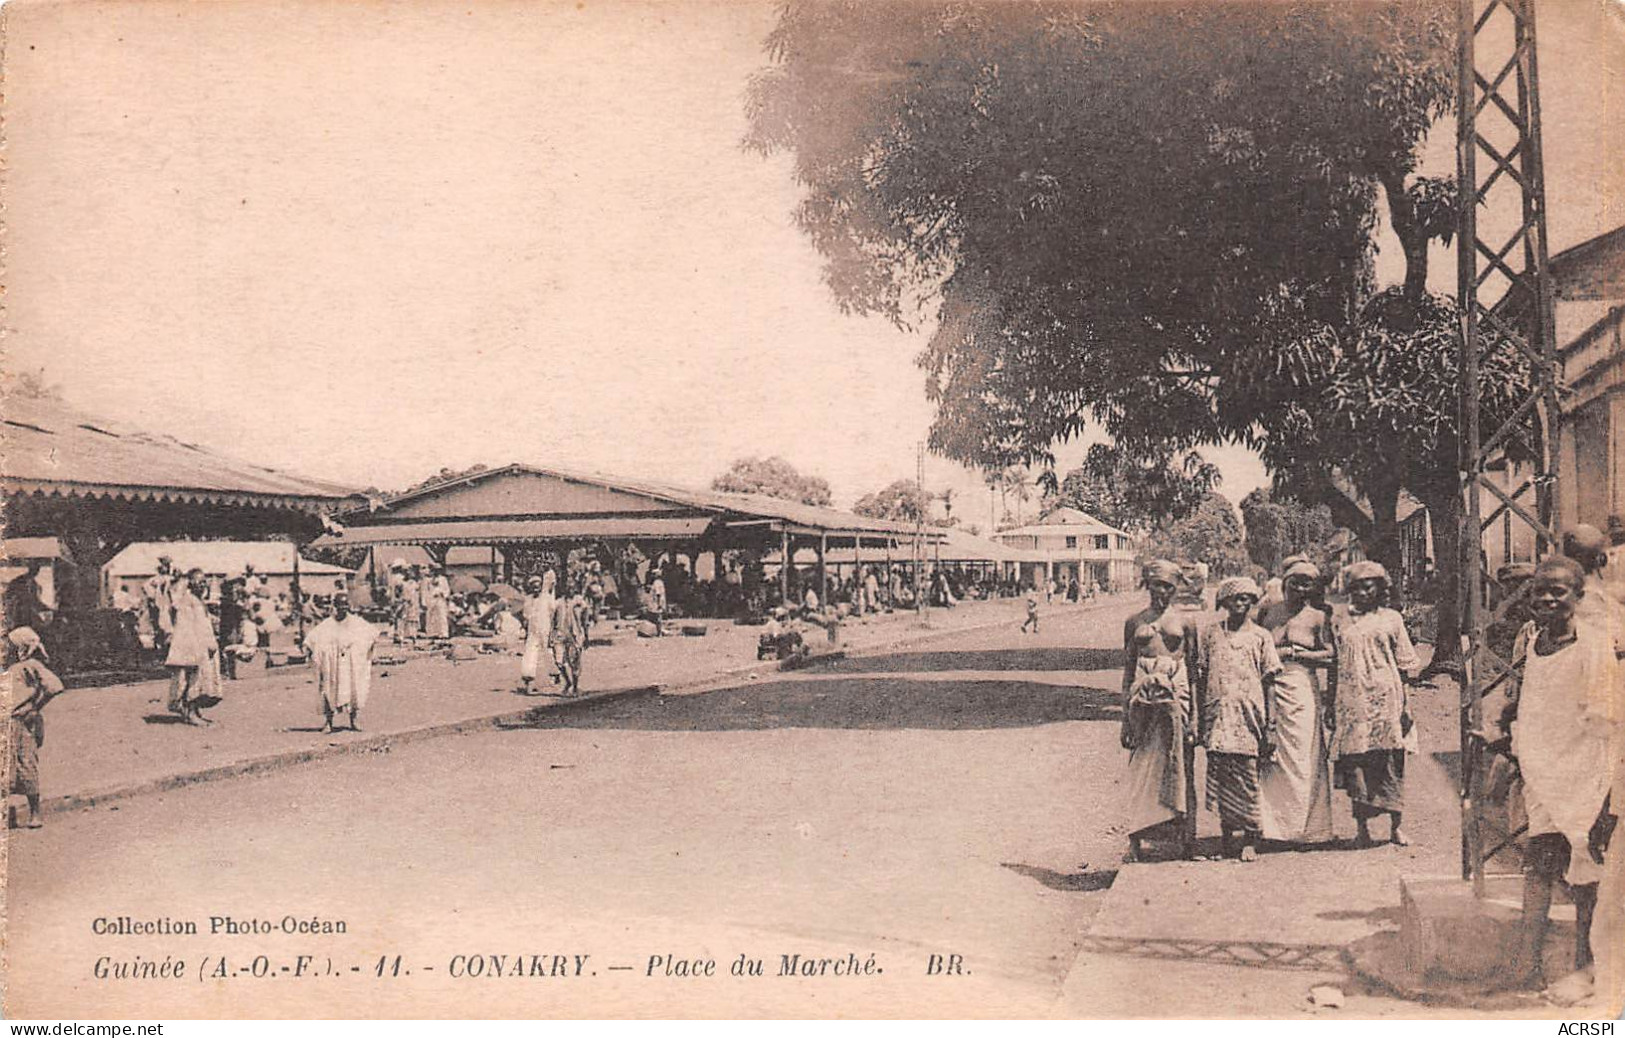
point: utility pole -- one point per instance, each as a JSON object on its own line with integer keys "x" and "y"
{"x": 919, "y": 527}
{"x": 1503, "y": 301}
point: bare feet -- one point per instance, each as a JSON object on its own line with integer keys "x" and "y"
{"x": 1249, "y": 852}
{"x": 1572, "y": 989}
{"x": 1398, "y": 838}
{"x": 34, "y": 822}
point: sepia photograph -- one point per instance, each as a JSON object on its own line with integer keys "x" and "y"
{"x": 813, "y": 509}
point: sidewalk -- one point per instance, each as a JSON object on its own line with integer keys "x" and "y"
{"x": 107, "y": 743}
{"x": 1222, "y": 938}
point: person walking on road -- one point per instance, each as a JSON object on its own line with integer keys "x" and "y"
{"x": 1373, "y": 725}
{"x": 538, "y": 618}
{"x": 568, "y": 639}
{"x": 194, "y": 653}
{"x": 1157, "y": 717}
{"x": 1295, "y": 784}
{"x": 341, "y": 649}
{"x": 1236, "y": 671}
{"x": 1032, "y": 614}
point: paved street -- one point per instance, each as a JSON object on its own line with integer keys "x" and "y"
{"x": 955, "y": 799}
{"x": 118, "y": 738}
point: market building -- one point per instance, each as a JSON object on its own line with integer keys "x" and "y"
{"x": 533, "y": 516}
{"x": 81, "y": 489}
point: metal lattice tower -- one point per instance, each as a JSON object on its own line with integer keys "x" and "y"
{"x": 1505, "y": 289}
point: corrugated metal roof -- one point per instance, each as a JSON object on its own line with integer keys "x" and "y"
{"x": 269, "y": 558}
{"x": 748, "y": 506}
{"x": 46, "y": 446}
{"x": 499, "y": 531}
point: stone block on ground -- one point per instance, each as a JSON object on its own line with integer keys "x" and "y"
{"x": 694, "y": 630}
{"x": 1453, "y": 947}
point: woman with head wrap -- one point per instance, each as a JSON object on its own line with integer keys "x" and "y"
{"x": 1236, "y": 669}
{"x": 1156, "y": 715}
{"x": 1372, "y": 720}
{"x": 29, "y": 686}
{"x": 1295, "y": 786}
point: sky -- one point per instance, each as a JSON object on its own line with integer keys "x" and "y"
{"x": 366, "y": 241}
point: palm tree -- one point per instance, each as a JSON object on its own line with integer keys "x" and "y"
{"x": 1014, "y": 481}
{"x": 994, "y": 481}
{"x": 947, "y": 496}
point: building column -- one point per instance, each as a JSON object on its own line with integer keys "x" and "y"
{"x": 784, "y": 566}
{"x": 823, "y": 570}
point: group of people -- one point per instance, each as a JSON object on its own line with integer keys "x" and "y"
{"x": 556, "y": 629}
{"x": 1272, "y": 701}
{"x": 420, "y": 602}
{"x": 1307, "y": 696}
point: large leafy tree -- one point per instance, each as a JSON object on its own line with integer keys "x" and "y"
{"x": 1157, "y": 217}
{"x": 1279, "y": 528}
{"x": 773, "y": 477}
{"x": 1211, "y": 534}
{"x": 902, "y": 501}
{"x": 1136, "y": 493}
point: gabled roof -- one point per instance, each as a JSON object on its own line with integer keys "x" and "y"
{"x": 1059, "y": 520}
{"x": 731, "y": 507}
{"x": 48, "y": 447}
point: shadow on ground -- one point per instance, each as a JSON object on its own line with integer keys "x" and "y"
{"x": 1035, "y": 659}
{"x": 855, "y": 703}
{"x": 1077, "y": 882}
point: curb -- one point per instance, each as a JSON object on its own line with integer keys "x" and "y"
{"x": 383, "y": 742}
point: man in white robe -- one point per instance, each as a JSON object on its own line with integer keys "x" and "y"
{"x": 194, "y": 652}
{"x": 538, "y": 619}
{"x": 341, "y": 651}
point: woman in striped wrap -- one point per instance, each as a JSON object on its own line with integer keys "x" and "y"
{"x": 1236, "y": 669}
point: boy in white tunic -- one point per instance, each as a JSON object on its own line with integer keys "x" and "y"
{"x": 1564, "y": 737}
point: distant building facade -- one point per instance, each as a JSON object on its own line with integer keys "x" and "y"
{"x": 1076, "y": 545}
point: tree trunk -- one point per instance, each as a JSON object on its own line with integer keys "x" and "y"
{"x": 1383, "y": 546}
{"x": 1445, "y": 511}
{"x": 1412, "y": 241}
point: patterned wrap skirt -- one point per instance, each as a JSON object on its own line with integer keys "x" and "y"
{"x": 1374, "y": 781}
{"x": 1232, "y": 790}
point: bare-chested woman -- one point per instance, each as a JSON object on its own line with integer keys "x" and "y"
{"x": 1157, "y": 716}
{"x": 1295, "y": 786}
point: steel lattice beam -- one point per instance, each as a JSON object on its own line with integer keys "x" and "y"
{"x": 1503, "y": 302}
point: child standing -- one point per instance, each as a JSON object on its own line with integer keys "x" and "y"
{"x": 1236, "y": 669}
{"x": 29, "y": 686}
{"x": 1562, "y": 734}
{"x": 1371, "y": 712}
